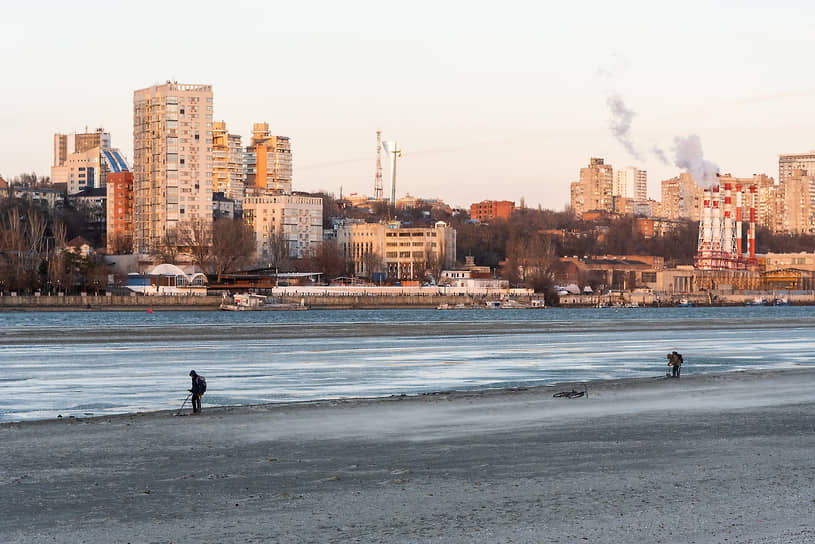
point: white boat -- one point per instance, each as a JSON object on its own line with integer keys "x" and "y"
{"x": 253, "y": 302}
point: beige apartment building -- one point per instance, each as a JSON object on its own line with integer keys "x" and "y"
{"x": 790, "y": 162}
{"x": 298, "y": 218}
{"x": 596, "y": 188}
{"x": 227, "y": 162}
{"x": 681, "y": 198}
{"x": 268, "y": 162}
{"x": 795, "y": 208}
{"x": 172, "y": 160}
{"x": 66, "y": 144}
{"x": 403, "y": 253}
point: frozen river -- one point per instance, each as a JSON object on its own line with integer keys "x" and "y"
{"x": 95, "y": 363}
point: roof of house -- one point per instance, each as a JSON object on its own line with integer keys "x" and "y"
{"x": 77, "y": 242}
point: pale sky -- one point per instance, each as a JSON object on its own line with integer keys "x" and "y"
{"x": 488, "y": 100}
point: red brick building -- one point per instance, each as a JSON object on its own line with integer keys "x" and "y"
{"x": 119, "y": 212}
{"x": 492, "y": 209}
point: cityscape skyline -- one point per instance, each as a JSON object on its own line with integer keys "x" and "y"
{"x": 510, "y": 108}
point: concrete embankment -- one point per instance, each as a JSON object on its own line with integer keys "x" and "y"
{"x": 164, "y": 303}
{"x": 107, "y": 303}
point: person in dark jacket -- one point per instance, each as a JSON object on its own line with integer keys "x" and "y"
{"x": 197, "y": 391}
{"x": 675, "y": 362}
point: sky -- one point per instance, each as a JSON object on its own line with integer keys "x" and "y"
{"x": 488, "y": 100}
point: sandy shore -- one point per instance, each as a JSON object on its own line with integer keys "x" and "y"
{"x": 702, "y": 459}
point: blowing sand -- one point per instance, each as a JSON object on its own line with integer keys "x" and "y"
{"x": 725, "y": 458}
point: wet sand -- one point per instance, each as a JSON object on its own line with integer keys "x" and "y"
{"x": 715, "y": 458}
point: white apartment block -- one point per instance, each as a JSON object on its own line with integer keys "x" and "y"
{"x": 298, "y": 218}
{"x": 401, "y": 252}
{"x": 631, "y": 182}
{"x": 172, "y": 160}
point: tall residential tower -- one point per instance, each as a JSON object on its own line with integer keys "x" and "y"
{"x": 172, "y": 160}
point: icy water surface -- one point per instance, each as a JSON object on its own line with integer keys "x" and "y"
{"x": 95, "y": 363}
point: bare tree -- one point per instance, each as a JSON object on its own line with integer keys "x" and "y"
{"x": 276, "y": 250}
{"x": 435, "y": 261}
{"x": 195, "y": 236}
{"x": 233, "y": 245}
{"x": 371, "y": 263}
{"x": 166, "y": 250}
{"x": 325, "y": 258}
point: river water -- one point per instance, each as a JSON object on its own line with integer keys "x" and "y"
{"x": 96, "y": 363}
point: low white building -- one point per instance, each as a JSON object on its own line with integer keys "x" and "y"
{"x": 167, "y": 279}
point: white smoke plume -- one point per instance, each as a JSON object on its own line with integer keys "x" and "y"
{"x": 620, "y": 123}
{"x": 689, "y": 156}
{"x": 660, "y": 155}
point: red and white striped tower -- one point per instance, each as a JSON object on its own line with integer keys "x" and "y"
{"x": 703, "y": 249}
{"x": 728, "y": 240}
{"x": 716, "y": 230}
{"x": 739, "y": 245}
{"x": 751, "y": 234}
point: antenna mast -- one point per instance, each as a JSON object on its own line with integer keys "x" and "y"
{"x": 378, "y": 178}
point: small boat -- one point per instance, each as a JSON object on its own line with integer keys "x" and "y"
{"x": 443, "y": 306}
{"x": 781, "y": 301}
{"x": 757, "y": 301}
{"x": 253, "y": 302}
{"x": 684, "y": 303}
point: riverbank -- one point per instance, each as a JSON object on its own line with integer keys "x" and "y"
{"x": 708, "y": 458}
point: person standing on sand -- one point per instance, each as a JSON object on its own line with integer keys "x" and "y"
{"x": 199, "y": 387}
{"x": 675, "y": 362}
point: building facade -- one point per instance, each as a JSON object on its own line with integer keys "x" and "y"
{"x": 487, "y": 210}
{"x": 268, "y": 162}
{"x": 631, "y": 182}
{"x": 66, "y": 144}
{"x": 597, "y": 185}
{"x": 119, "y": 213}
{"x": 227, "y": 162}
{"x": 788, "y": 163}
{"x": 681, "y": 198}
{"x": 172, "y": 160}
{"x": 403, "y": 253}
{"x": 298, "y": 218}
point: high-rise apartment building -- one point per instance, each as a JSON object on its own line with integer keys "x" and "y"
{"x": 681, "y": 198}
{"x": 65, "y": 144}
{"x": 790, "y": 162}
{"x": 631, "y": 182}
{"x": 268, "y": 162}
{"x": 597, "y": 182}
{"x": 227, "y": 162}
{"x": 83, "y": 161}
{"x": 172, "y": 160}
{"x": 797, "y": 201}
{"x": 576, "y": 198}
{"x": 119, "y": 210}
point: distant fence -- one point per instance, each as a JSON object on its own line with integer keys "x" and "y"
{"x": 372, "y": 291}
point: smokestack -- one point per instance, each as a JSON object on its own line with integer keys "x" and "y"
{"x": 703, "y": 250}
{"x": 751, "y": 235}
{"x": 727, "y": 235}
{"x": 739, "y": 245}
{"x": 716, "y": 228}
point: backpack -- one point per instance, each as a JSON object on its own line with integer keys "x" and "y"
{"x": 202, "y": 384}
